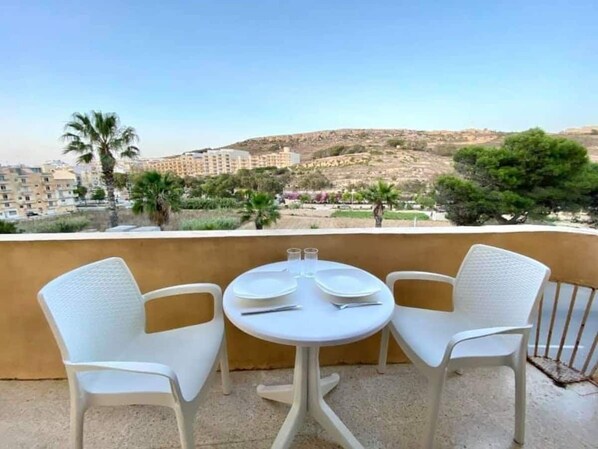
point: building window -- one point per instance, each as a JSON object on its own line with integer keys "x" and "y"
{"x": 4, "y": 197}
{"x": 27, "y": 198}
{"x": 6, "y": 204}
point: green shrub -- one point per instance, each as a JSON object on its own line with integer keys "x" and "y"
{"x": 416, "y": 145}
{"x": 339, "y": 150}
{"x": 395, "y": 142}
{"x": 74, "y": 224}
{"x": 210, "y": 224}
{"x": 209, "y": 203}
{"x": 314, "y": 226}
{"x": 6, "y": 227}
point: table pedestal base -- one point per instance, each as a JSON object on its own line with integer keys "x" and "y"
{"x": 306, "y": 395}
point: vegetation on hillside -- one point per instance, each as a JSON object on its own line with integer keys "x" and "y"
{"x": 315, "y": 180}
{"x": 271, "y": 180}
{"x": 339, "y": 150}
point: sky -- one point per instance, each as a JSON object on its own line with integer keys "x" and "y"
{"x": 193, "y": 74}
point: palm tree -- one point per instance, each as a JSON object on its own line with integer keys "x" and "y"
{"x": 99, "y": 136}
{"x": 381, "y": 194}
{"x": 156, "y": 195}
{"x": 261, "y": 208}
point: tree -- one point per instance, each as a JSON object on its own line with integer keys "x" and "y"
{"x": 380, "y": 195}
{"x": 98, "y": 194}
{"x": 156, "y": 195}
{"x": 221, "y": 186}
{"x": 314, "y": 181}
{"x": 531, "y": 174}
{"x": 466, "y": 204}
{"x": 425, "y": 201}
{"x": 100, "y": 136}
{"x": 121, "y": 181}
{"x": 81, "y": 192}
{"x": 261, "y": 209}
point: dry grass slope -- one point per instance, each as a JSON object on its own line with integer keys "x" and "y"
{"x": 422, "y": 155}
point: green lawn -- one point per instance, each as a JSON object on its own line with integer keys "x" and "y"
{"x": 388, "y": 215}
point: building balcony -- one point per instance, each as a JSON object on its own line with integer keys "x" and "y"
{"x": 383, "y": 411}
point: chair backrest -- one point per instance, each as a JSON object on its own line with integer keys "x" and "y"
{"x": 496, "y": 287}
{"x": 94, "y": 311}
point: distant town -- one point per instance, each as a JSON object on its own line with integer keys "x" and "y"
{"x": 51, "y": 187}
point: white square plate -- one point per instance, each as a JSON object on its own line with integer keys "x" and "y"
{"x": 347, "y": 282}
{"x": 265, "y": 285}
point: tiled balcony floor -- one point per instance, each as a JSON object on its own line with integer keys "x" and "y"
{"x": 383, "y": 411}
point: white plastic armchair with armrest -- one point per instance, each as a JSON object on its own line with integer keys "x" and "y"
{"x": 97, "y": 315}
{"x": 494, "y": 294}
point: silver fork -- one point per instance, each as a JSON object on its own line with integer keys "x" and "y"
{"x": 342, "y": 305}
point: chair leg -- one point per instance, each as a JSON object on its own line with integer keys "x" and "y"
{"x": 184, "y": 419}
{"x": 77, "y": 420}
{"x": 224, "y": 371}
{"x": 383, "y": 350}
{"x": 436, "y": 384}
{"x": 520, "y": 399}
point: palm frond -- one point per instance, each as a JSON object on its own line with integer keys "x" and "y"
{"x": 131, "y": 152}
{"x": 85, "y": 158}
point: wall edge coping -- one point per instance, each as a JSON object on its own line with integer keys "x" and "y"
{"x": 456, "y": 230}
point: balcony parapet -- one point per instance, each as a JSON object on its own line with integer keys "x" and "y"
{"x": 158, "y": 259}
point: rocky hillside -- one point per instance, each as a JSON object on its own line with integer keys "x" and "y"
{"x": 348, "y": 156}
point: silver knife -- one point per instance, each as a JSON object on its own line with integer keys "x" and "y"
{"x": 273, "y": 309}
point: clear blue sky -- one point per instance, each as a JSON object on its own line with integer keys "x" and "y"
{"x": 189, "y": 74}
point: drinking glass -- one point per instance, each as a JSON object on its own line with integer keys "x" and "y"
{"x": 311, "y": 261}
{"x": 294, "y": 261}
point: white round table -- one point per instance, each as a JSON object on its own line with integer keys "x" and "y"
{"x": 318, "y": 323}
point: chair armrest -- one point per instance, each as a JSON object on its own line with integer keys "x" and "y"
{"x": 460, "y": 337}
{"x": 186, "y": 289}
{"x": 417, "y": 276}
{"x": 157, "y": 369}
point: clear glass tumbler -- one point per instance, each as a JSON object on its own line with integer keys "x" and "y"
{"x": 294, "y": 261}
{"x": 311, "y": 261}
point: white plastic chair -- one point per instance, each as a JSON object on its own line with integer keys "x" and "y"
{"x": 97, "y": 315}
{"x": 494, "y": 294}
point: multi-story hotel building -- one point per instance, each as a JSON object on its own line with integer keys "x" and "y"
{"x": 26, "y": 191}
{"x": 216, "y": 162}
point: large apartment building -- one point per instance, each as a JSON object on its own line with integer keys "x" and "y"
{"x": 216, "y": 162}
{"x": 27, "y": 191}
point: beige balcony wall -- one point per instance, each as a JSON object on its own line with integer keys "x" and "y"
{"x": 28, "y": 350}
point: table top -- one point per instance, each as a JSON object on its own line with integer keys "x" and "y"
{"x": 318, "y": 322}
